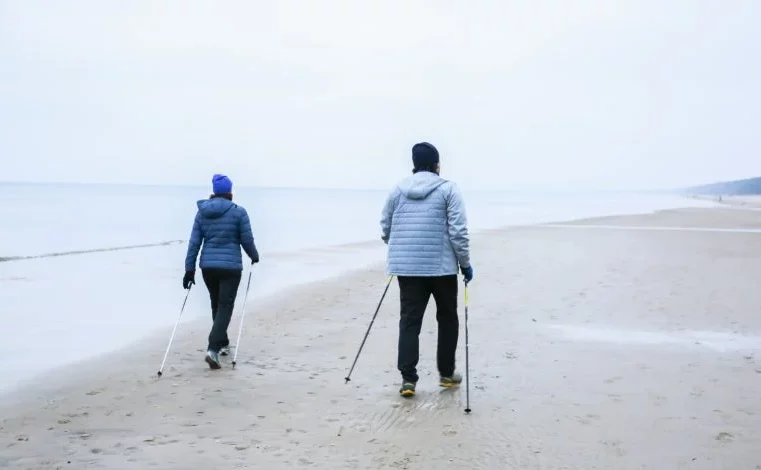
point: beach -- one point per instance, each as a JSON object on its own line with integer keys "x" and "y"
{"x": 748, "y": 201}
{"x": 86, "y": 270}
{"x": 625, "y": 342}
{"x": 753, "y": 201}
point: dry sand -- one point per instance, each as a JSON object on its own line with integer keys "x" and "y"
{"x": 591, "y": 348}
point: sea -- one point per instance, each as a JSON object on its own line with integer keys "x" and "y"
{"x": 86, "y": 269}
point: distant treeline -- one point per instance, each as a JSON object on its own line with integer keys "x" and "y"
{"x": 737, "y": 187}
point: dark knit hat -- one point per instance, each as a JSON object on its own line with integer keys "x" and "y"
{"x": 424, "y": 155}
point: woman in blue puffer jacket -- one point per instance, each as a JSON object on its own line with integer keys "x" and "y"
{"x": 222, "y": 227}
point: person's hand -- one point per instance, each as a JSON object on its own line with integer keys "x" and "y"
{"x": 467, "y": 273}
{"x": 189, "y": 279}
{"x": 254, "y": 260}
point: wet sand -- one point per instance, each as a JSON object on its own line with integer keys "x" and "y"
{"x": 748, "y": 201}
{"x": 590, "y": 348}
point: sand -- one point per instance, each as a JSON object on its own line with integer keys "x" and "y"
{"x": 747, "y": 201}
{"x": 590, "y": 348}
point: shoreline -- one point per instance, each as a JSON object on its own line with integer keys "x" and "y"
{"x": 42, "y": 385}
{"x": 149, "y": 340}
{"x": 746, "y": 201}
{"x": 571, "y": 331}
{"x": 368, "y": 253}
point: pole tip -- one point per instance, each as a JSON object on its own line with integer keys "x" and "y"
{"x": 467, "y": 410}
{"x": 347, "y": 380}
{"x": 234, "y": 364}
{"x": 159, "y": 374}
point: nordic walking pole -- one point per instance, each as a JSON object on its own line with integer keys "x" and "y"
{"x": 467, "y": 366}
{"x": 242, "y": 316}
{"x": 348, "y": 377}
{"x": 171, "y": 338}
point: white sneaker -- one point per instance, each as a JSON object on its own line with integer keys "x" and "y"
{"x": 213, "y": 360}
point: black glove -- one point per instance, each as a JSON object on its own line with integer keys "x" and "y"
{"x": 254, "y": 260}
{"x": 467, "y": 273}
{"x": 189, "y": 279}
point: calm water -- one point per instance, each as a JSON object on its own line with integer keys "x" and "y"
{"x": 47, "y": 218}
{"x": 59, "y": 310}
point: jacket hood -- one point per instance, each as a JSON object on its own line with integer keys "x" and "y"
{"x": 421, "y": 184}
{"x": 214, "y": 208}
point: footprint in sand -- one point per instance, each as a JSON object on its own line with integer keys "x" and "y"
{"x": 615, "y": 447}
{"x": 587, "y": 418}
{"x": 659, "y": 400}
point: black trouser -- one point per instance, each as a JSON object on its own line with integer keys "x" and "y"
{"x": 223, "y": 288}
{"x": 414, "y": 294}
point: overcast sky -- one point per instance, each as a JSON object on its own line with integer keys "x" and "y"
{"x": 515, "y": 94}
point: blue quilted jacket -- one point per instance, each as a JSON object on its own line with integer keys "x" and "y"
{"x": 223, "y": 227}
{"x": 425, "y": 227}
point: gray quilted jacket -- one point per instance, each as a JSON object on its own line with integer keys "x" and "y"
{"x": 425, "y": 227}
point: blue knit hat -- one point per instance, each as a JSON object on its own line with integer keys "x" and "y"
{"x": 424, "y": 156}
{"x": 221, "y": 184}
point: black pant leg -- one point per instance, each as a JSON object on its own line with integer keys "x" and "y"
{"x": 211, "y": 279}
{"x": 229, "y": 280}
{"x": 445, "y": 295}
{"x": 414, "y": 294}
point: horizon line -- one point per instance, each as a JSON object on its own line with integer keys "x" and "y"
{"x": 327, "y": 188}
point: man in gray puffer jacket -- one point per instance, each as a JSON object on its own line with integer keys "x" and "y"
{"x": 425, "y": 227}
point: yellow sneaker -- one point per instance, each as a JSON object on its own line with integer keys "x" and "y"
{"x": 408, "y": 389}
{"x": 451, "y": 381}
